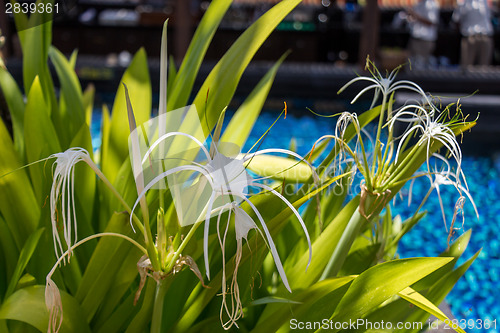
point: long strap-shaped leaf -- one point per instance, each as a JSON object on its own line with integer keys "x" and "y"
{"x": 222, "y": 81}
{"x": 180, "y": 90}
{"x": 417, "y": 299}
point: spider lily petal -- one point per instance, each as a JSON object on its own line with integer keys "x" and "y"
{"x": 63, "y": 188}
{"x": 243, "y": 223}
{"x": 54, "y": 305}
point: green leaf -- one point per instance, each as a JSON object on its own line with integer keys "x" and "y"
{"x": 40, "y": 138}
{"x": 28, "y": 305}
{"x": 417, "y": 299}
{"x": 10, "y": 254}
{"x": 88, "y": 103}
{"x": 317, "y": 301}
{"x": 241, "y": 124}
{"x": 322, "y": 250}
{"x": 15, "y": 103}
{"x": 16, "y": 192}
{"x": 360, "y": 260}
{"x": 110, "y": 255}
{"x": 438, "y": 291}
{"x": 455, "y": 251}
{"x": 71, "y": 114}
{"x": 24, "y": 257}
{"x": 36, "y": 38}
{"x": 180, "y": 90}
{"x": 115, "y": 142}
{"x": 271, "y": 299}
{"x": 172, "y": 73}
{"x": 382, "y": 282}
{"x": 222, "y": 81}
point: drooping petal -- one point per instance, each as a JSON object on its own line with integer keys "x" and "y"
{"x": 63, "y": 189}
{"x": 54, "y": 306}
{"x": 272, "y": 247}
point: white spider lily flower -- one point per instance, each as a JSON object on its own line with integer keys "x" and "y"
{"x": 384, "y": 85}
{"x": 227, "y": 177}
{"x": 445, "y": 177}
{"x": 63, "y": 187}
{"x": 431, "y": 129}
{"x": 228, "y": 182}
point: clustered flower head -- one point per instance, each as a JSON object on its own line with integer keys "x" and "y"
{"x": 385, "y": 166}
{"x": 228, "y": 181}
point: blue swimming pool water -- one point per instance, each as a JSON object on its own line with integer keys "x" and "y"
{"x": 476, "y": 295}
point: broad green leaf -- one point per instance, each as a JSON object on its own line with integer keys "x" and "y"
{"x": 222, "y": 81}
{"x": 417, "y": 299}
{"x": 381, "y": 282}
{"x": 304, "y": 304}
{"x": 108, "y": 257}
{"x": 24, "y": 257}
{"x": 85, "y": 192}
{"x": 15, "y": 103}
{"x": 71, "y": 113}
{"x": 143, "y": 317}
{"x": 117, "y": 321}
{"x": 455, "y": 251}
{"x": 278, "y": 167}
{"x": 242, "y": 122}
{"x": 28, "y": 305}
{"x": 36, "y": 40}
{"x": 360, "y": 260}
{"x": 180, "y": 90}
{"x": 322, "y": 250}
{"x": 438, "y": 291}
{"x": 16, "y": 192}
{"x": 10, "y": 254}
{"x": 115, "y": 142}
{"x": 40, "y": 138}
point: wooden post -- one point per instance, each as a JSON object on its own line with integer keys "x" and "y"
{"x": 368, "y": 44}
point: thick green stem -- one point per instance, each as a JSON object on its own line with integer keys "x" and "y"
{"x": 371, "y": 209}
{"x": 161, "y": 290}
{"x": 343, "y": 246}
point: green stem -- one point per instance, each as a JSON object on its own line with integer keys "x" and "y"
{"x": 343, "y": 246}
{"x": 379, "y": 130}
{"x": 401, "y": 168}
{"x": 102, "y": 234}
{"x": 182, "y": 246}
{"x": 159, "y": 303}
{"x": 349, "y": 236}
